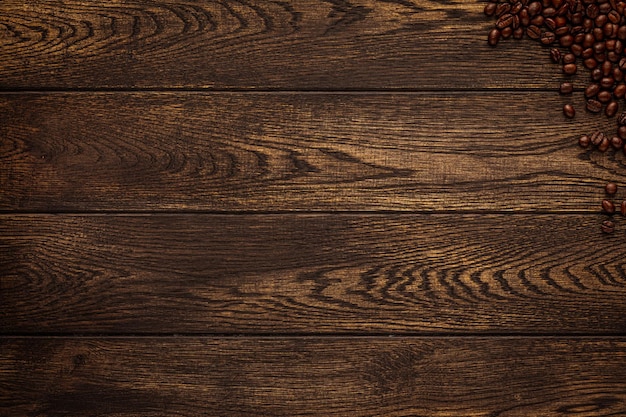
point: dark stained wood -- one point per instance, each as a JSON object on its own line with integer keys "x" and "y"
{"x": 313, "y": 376}
{"x": 296, "y": 44}
{"x": 263, "y": 274}
{"x": 282, "y": 152}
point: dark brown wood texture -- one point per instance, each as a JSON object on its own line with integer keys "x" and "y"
{"x": 319, "y": 376}
{"x": 230, "y": 207}
{"x": 267, "y": 44}
{"x": 276, "y": 152}
{"x": 311, "y": 274}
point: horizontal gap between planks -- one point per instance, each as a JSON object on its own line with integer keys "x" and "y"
{"x": 139, "y": 213}
{"x": 325, "y": 335}
{"x": 282, "y": 91}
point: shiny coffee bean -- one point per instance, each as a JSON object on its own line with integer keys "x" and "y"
{"x": 622, "y": 208}
{"x": 507, "y": 32}
{"x": 584, "y": 141}
{"x": 494, "y": 37}
{"x": 604, "y": 97}
{"x": 569, "y": 58}
{"x": 566, "y": 88}
{"x": 568, "y": 111}
{"x": 596, "y": 74}
{"x": 619, "y": 91}
{"x": 604, "y": 145}
{"x": 617, "y": 142}
{"x": 548, "y": 38}
{"x": 611, "y": 109}
{"x": 592, "y": 90}
{"x": 608, "y": 206}
{"x": 533, "y": 32}
{"x": 504, "y": 21}
{"x": 569, "y": 69}
{"x": 610, "y": 188}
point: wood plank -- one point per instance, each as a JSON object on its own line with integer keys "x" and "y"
{"x": 296, "y": 44}
{"x": 131, "y": 274}
{"x": 283, "y": 152}
{"x": 318, "y": 376}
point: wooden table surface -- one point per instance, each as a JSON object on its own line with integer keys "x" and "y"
{"x": 299, "y": 207}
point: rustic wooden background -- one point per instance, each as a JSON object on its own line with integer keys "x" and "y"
{"x": 298, "y": 207}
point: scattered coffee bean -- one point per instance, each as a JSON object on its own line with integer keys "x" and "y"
{"x": 623, "y": 208}
{"x": 617, "y": 142}
{"x": 566, "y": 88}
{"x": 568, "y": 110}
{"x": 611, "y": 109}
{"x": 594, "y": 106}
{"x": 608, "y": 206}
{"x": 604, "y": 145}
{"x": 555, "y": 55}
{"x": 494, "y": 37}
{"x": 607, "y": 226}
{"x": 584, "y": 141}
{"x": 610, "y": 188}
{"x": 596, "y": 138}
{"x": 569, "y": 69}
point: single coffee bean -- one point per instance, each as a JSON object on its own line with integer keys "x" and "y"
{"x": 588, "y": 41}
{"x": 549, "y": 12}
{"x": 566, "y": 88}
{"x": 587, "y": 53}
{"x": 568, "y": 111}
{"x": 607, "y": 226}
{"x": 534, "y": 8}
{"x": 604, "y": 96}
{"x": 621, "y": 33}
{"x": 596, "y": 74}
{"x": 504, "y": 21}
{"x": 621, "y": 132}
{"x": 623, "y": 208}
{"x": 590, "y": 63}
{"x": 569, "y": 58}
{"x": 566, "y": 40}
{"x": 617, "y": 142}
{"x": 620, "y": 91}
{"x": 503, "y": 8}
{"x": 594, "y": 106}
{"x": 555, "y": 55}
{"x": 618, "y": 75}
{"x": 547, "y": 38}
{"x": 576, "y": 49}
{"x": 604, "y": 145}
{"x": 550, "y": 24}
{"x": 621, "y": 120}
{"x": 611, "y": 109}
{"x": 599, "y": 47}
{"x": 584, "y": 141}
{"x": 518, "y": 33}
{"x": 538, "y": 21}
{"x": 608, "y": 206}
{"x": 607, "y": 82}
{"x": 524, "y": 17}
{"x": 490, "y": 9}
{"x": 593, "y": 11}
{"x": 606, "y": 67}
{"x": 516, "y": 7}
{"x": 596, "y": 138}
{"x": 622, "y": 64}
{"x": 494, "y": 37}
{"x": 533, "y": 32}
{"x": 592, "y": 90}
{"x": 614, "y": 16}
{"x": 569, "y": 69}
{"x": 507, "y": 32}
{"x": 610, "y": 188}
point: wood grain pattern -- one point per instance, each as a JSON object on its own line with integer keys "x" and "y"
{"x": 271, "y": 44}
{"x": 319, "y": 376}
{"x": 540, "y": 274}
{"x": 281, "y": 152}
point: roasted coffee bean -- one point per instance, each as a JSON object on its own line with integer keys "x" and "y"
{"x": 524, "y": 17}
{"x": 611, "y": 109}
{"x": 618, "y": 75}
{"x": 550, "y": 24}
{"x": 621, "y": 120}
{"x": 604, "y": 97}
{"x": 614, "y": 16}
{"x": 517, "y": 7}
{"x": 596, "y": 138}
{"x": 547, "y": 38}
{"x": 490, "y": 9}
{"x": 555, "y": 55}
{"x": 610, "y": 188}
{"x": 607, "y": 82}
{"x": 592, "y": 90}
{"x": 590, "y": 63}
{"x": 622, "y": 208}
{"x": 577, "y": 50}
{"x": 587, "y": 53}
{"x": 607, "y": 226}
{"x": 619, "y": 91}
{"x": 568, "y": 111}
{"x": 599, "y": 47}
{"x": 621, "y": 33}
{"x": 569, "y": 69}
{"x": 604, "y": 145}
{"x": 494, "y": 37}
{"x": 566, "y": 40}
{"x": 518, "y": 33}
{"x": 569, "y": 58}
{"x": 622, "y": 64}
{"x": 584, "y": 141}
{"x": 534, "y": 8}
{"x": 621, "y": 132}
{"x": 594, "y": 106}
{"x": 566, "y": 88}
{"x": 617, "y": 143}
{"x": 537, "y": 21}
{"x": 504, "y": 21}
{"x": 502, "y": 8}
{"x": 533, "y": 32}
{"x": 596, "y": 74}
{"x": 593, "y": 11}
{"x": 606, "y": 68}
{"x": 562, "y": 32}
{"x": 507, "y": 32}
{"x": 608, "y": 206}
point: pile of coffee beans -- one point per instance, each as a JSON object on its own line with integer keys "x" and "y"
{"x": 587, "y": 33}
